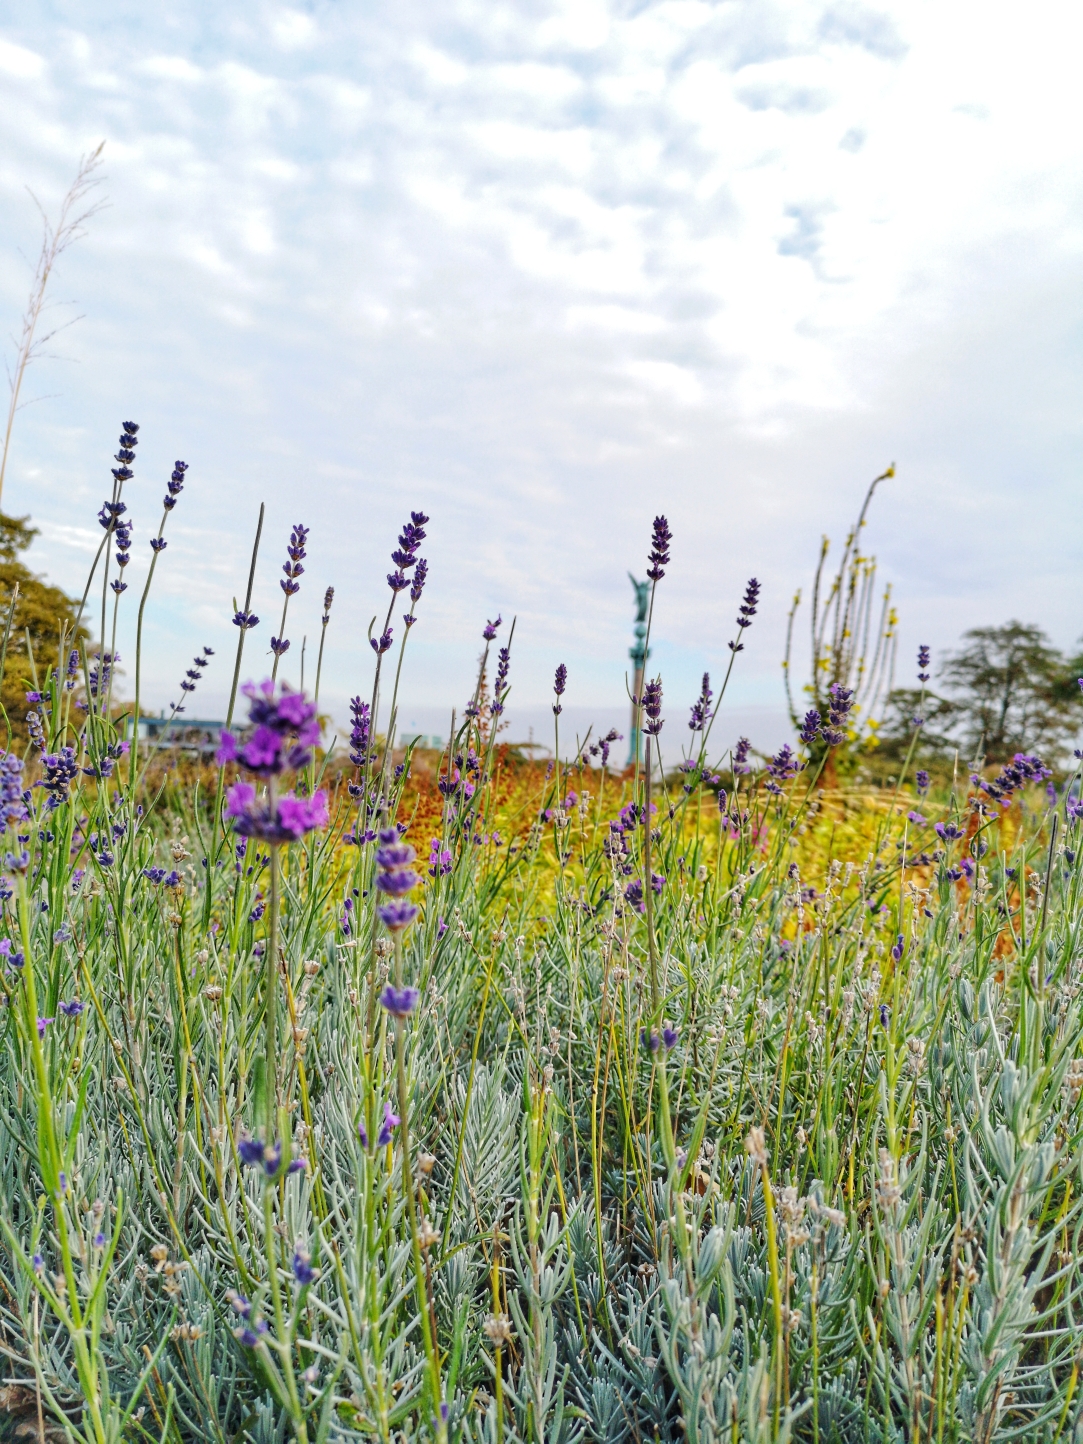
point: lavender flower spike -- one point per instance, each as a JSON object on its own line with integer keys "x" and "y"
{"x": 659, "y": 553}
{"x": 399, "y": 1002}
{"x": 652, "y": 706}
{"x": 560, "y": 681}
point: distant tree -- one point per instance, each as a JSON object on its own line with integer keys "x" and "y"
{"x": 1010, "y": 690}
{"x": 934, "y": 746}
{"x": 40, "y": 613}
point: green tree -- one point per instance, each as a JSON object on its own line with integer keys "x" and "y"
{"x": 41, "y": 612}
{"x": 1011, "y": 693}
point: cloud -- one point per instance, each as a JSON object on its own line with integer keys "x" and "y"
{"x": 545, "y": 271}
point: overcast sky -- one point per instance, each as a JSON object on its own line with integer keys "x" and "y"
{"x": 544, "y": 270}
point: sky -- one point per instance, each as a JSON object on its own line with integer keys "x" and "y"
{"x": 544, "y": 271}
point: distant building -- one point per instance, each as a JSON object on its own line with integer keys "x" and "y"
{"x": 182, "y": 734}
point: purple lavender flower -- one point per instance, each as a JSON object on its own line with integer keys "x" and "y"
{"x": 328, "y": 598}
{"x": 652, "y": 706}
{"x": 489, "y": 630}
{"x": 701, "y": 706}
{"x": 500, "y": 686}
{"x": 44, "y": 1023}
{"x": 670, "y": 1037}
{"x": 659, "y": 554}
{"x": 399, "y": 1002}
{"x": 421, "y": 576}
{"x": 899, "y": 948}
{"x": 780, "y": 768}
{"x": 363, "y": 1134}
{"x": 410, "y": 538}
{"x": 923, "y": 664}
{"x": 917, "y": 819}
{"x": 841, "y": 704}
{"x": 391, "y": 1121}
{"x": 296, "y": 552}
{"x": 194, "y": 673}
{"x": 287, "y": 820}
{"x": 285, "y": 729}
{"x": 12, "y": 797}
{"x": 921, "y": 777}
{"x": 740, "y": 756}
{"x": 174, "y": 487}
{"x": 72, "y": 1009}
{"x": 126, "y": 454}
{"x": 650, "y": 1040}
{"x": 395, "y": 879}
{"x": 245, "y": 620}
{"x": 746, "y": 611}
{"x": 947, "y": 831}
{"x": 383, "y": 644}
{"x": 811, "y": 726}
{"x": 303, "y": 1271}
{"x": 560, "y": 681}
{"x": 10, "y": 956}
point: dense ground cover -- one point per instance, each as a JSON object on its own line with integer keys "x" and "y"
{"x": 760, "y": 1121}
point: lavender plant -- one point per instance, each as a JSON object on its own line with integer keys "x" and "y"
{"x": 682, "y": 1111}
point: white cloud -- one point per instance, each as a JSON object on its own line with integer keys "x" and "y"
{"x": 547, "y": 272}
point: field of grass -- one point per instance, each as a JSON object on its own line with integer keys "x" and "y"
{"x": 759, "y": 1122}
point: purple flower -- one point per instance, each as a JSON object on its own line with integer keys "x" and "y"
{"x": 383, "y": 645}
{"x": 659, "y": 553}
{"x": 811, "y": 726}
{"x": 285, "y": 729}
{"x": 44, "y": 1023}
{"x": 947, "y": 831}
{"x": 245, "y": 620}
{"x": 560, "y": 681}
{"x": 899, "y": 948}
{"x": 72, "y": 1009}
{"x": 12, "y": 795}
{"x": 669, "y": 1037}
{"x": 740, "y": 756}
{"x": 410, "y": 538}
{"x": 296, "y": 552}
{"x": 701, "y": 706}
{"x": 841, "y": 704}
{"x": 174, "y": 487}
{"x": 652, "y": 706}
{"x": 397, "y": 915}
{"x": 746, "y": 611}
{"x": 921, "y": 777}
{"x": 421, "y": 576}
{"x": 391, "y": 1120}
{"x": 303, "y": 1271}
{"x": 650, "y": 1040}
{"x": 885, "y": 1014}
{"x": 917, "y": 819}
{"x": 278, "y": 647}
{"x": 784, "y": 765}
{"x": 289, "y": 819}
{"x": 359, "y": 736}
{"x": 363, "y": 1134}
{"x": 923, "y": 664}
{"x": 399, "y": 1002}
{"x": 500, "y": 686}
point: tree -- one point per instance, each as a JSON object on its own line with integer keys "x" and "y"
{"x": 40, "y": 613}
{"x": 1011, "y": 693}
